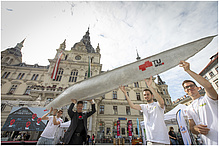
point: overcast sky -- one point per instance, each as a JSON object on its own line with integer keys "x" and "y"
{"x": 119, "y": 27}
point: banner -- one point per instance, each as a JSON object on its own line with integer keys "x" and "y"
{"x": 118, "y": 128}
{"x": 130, "y": 127}
{"x": 25, "y": 119}
{"x": 55, "y": 69}
{"x": 182, "y": 126}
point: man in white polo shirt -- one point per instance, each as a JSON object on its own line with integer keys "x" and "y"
{"x": 47, "y": 137}
{"x": 156, "y": 130}
{"x": 203, "y": 111}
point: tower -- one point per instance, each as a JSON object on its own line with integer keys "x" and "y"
{"x": 12, "y": 56}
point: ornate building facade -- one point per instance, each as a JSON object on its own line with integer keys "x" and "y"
{"x": 31, "y": 85}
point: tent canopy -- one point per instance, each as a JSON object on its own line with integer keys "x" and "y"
{"x": 170, "y": 117}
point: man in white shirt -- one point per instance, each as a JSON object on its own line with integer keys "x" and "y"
{"x": 203, "y": 111}
{"x": 47, "y": 137}
{"x": 156, "y": 130}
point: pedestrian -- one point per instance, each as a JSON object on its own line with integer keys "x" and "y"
{"x": 93, "y": 139}
{"x": 173, "y": 137}
{"x": 77, "y": 131}
{"x": 47, "y": 137}
{"x": 179, "y": 137}
{"x": 153, "y": 112}
{"x": 203, "y": 111}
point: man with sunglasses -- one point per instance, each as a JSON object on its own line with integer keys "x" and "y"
{"x": 203, "y": 111}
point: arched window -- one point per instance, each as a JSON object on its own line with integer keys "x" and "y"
{"x": 20, "y": 76}
{"x": 59, "y": 74}
{"x": 73, "y": 76}
{"x": 12, "y": 90}
{"x": 66, "y": 57}
{"x": 5, "y": 75}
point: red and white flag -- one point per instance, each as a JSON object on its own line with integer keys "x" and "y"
{"x": 55, "y": 69}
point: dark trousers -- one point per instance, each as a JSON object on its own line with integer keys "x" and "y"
{"x": 76, "y": 140}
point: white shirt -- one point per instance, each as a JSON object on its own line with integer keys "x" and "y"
{"x": 50, "y": 129}
{"x": 204, "y": 110}
{"x": 156, "y": 130}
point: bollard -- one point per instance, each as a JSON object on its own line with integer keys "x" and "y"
{"x": 114, "y": 141}
{"x": 119, "y": 141}
{"x": 123, "y": 141}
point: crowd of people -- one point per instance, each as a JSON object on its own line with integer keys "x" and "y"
{"x": 202, "y": 115}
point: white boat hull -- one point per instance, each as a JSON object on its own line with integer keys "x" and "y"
{"x": 103, "y": 83}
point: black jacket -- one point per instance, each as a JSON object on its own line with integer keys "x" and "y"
{"x": 74, "y": 120}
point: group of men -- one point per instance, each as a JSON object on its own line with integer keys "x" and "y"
{"x": 202, "y": 115}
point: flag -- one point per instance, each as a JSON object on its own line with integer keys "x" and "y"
{"x": 55, "y": 69}
{"x": 138, "y": 127}
{"x": 89, "y": 67}
{"x": 183, "y": 129}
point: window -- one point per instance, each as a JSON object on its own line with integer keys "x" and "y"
{"x": 136, "y": 85}
{"x": 123, "y": 131}
{"x": 49, "y": 99}
{"x": 20, "y": 76}
{"x": 107, "y": 130}
{"x": 10, "y": 61}
{"x": 13, "y": 88}
{"x": 138, "y": 96}
{"x": 6, "y": 74}
{"x": 85, "y": 105}
{"x": 102, "y": 109}
{"x": 34, "y": 77}
{"x": 86, "y": 74}
{"x": 211, "y": 74}
{"x": 59, "y": 75}
{"x": 27, "y": 92}
{"x": 21, "y": 105}
{"x": 66, "y": 57}
{"x": 216, "y": 69}
{"x": 73, "y": 76}
{"x": 114, "y": 94}
{"x": 164, "y": 92}
{"x": 3, "y": 105}
{"x": 128, "y": 112}
{"x": 115, "y": 110}
{"x": 167, "y": 101}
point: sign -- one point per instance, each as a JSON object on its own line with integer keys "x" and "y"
{"x": 130, "y": 127}
{"x": 118, "y": 128}
{"x": 122, "y": 118}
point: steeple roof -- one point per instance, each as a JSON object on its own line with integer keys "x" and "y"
{"x": 17, "y": 49}
{"x": 86, "y": 41}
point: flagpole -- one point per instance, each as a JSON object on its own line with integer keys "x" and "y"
{"x": 88, "y": 76}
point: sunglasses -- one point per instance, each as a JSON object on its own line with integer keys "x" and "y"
{"x": 190, "y": 86}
